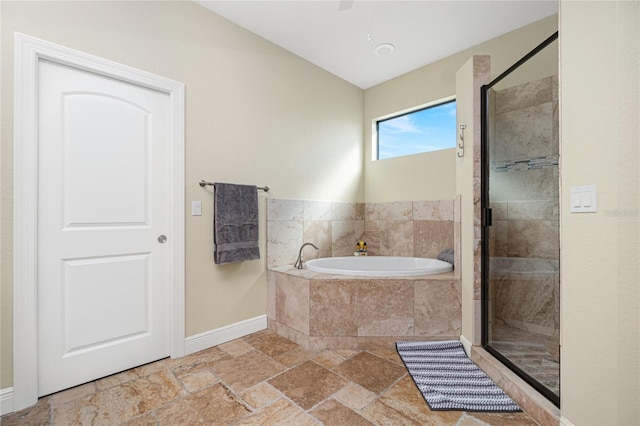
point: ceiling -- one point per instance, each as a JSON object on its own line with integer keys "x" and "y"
{"x": 341, "y": 35}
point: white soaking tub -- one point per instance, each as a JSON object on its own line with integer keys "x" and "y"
{"x": 378, "y": 266}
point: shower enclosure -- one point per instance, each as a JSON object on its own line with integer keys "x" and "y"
{"x": 520, "y": 206}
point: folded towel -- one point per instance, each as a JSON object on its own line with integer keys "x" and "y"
{"x": 446, "y": 255}
{"x": 235, "y": 223}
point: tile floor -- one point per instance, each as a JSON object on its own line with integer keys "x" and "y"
{"x": 261, "y": 379}
{"x": 530, "y": 352}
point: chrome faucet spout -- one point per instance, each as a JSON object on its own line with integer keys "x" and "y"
{"x": 298, "y": 263}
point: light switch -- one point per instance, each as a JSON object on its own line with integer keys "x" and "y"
{"x": 196, "y": 208}
{"x": 576, "y": 199}
{"x": 584, "y": 199}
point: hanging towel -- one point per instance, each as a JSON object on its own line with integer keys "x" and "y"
{"x": 447, "y": 256}
{"x": 235, "y": 223}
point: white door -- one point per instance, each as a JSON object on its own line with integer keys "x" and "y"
{"x": 103, "y": 206}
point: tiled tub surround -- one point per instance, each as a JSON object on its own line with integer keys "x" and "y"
{"x": 408, "y": 228}
{"x": 323, "y": 311}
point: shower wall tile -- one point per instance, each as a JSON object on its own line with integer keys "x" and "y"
{"x": 278, "y": 209}
{"x": 524, "y": 133}
{"x": 344, "y": 234}
{"x": 529, "y": 302}
{"x": 533, "y": 238}
{"x": 372, "y": 237}
{"x": 477, "y": 270}
{"x": 385, "y": 308}
{"x": 433, "y": 210}
{"x": 438, "y": 308}
{"x": 499, "y": 238}
{"x": 555, "y": 129}
{"x": 396, "y": 237}
{"x": 525, "y": 185}
{"x": 372, "y": 211}
{"x": 342, "y": 318}
{"x": 431, "y": 237}
{"x": 336, "y": 226}
{"x": 526, "y": 95}
{"x": 284, "y": 239}
{"x": 347, "y": 211}
{"x": 317, "y": 210}
{"x": 500, "y": 210}
{"x": 532, "y": 210}
{"x": 319, "y": 233}
{"x": 400, "y": 210}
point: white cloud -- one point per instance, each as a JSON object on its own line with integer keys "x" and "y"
{"x": 402, "y": 124}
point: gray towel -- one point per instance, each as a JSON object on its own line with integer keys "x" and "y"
{"x": 235, "y": 223}
{"x": 446, "y": 255}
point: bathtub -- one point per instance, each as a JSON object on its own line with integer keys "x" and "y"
{"x": 378, "y": 266}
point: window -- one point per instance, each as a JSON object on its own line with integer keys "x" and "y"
{"x": 427, "y": 129}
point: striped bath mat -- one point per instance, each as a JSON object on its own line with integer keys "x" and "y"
{"x": 449, "y": 380}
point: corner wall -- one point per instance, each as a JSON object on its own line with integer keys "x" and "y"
{"x": 432, "y": 176}
{"x": 600, "y": 252}
{"x": 255, "y": 114}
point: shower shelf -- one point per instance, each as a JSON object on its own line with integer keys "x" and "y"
{"x": 524, "y": 164}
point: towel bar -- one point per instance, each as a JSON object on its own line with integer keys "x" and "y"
{"x": 262, "y": 188}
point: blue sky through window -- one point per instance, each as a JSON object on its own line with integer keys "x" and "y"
{"x": 425, "y": 130}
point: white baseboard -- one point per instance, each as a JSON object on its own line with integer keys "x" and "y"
{"x": 224, "y": 334}
{"x": 193, "y": 344}
{"x": 466, "y": 344}
{"x": 565, "y": 422}
{"x": 6, "y": 401}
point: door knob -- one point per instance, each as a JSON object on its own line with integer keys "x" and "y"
{"x": 162, "y": 239}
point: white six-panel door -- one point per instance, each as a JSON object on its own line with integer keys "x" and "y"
{"x": 103, "y": 219}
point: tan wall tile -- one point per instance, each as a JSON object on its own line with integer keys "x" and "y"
{"x": 332, "y": 310}
{"x": 385, "y": 308}
{"x": 292, "y": 302}
{"x": 438, "y": 309}
{"x": 431, "y": 237}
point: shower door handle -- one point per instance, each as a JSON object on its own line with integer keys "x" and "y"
{"x": 487, "y": 219}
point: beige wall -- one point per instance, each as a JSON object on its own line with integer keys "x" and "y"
{"x": 432, "y": 176}
{"x": 600, "y": 252}
{"x": 232, "y": 76}
{"x": 255, "y": 114}
{"x": 469, "y": 78}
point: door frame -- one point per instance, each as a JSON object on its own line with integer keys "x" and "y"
{"x": 28, "y": 52}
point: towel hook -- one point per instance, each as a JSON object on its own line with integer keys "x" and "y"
{"x": 460, "y": 152}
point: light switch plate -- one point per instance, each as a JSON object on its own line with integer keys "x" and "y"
{"x": 584, "y": 199}
{"x": 196, "y": 208}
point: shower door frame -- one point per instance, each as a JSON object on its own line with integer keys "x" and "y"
{"x": 486, "y": 221}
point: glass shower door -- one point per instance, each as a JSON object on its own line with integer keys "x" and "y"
{"x": 521, "y": 309}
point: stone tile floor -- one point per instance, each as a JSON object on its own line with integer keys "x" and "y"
{"x": 261, "y": 379}
{"x": 531, "y": 352}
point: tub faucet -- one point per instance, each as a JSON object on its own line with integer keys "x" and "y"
{"x": 298, "y": 263}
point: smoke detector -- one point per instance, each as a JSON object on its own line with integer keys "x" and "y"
{"x": 384, "y": 49}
